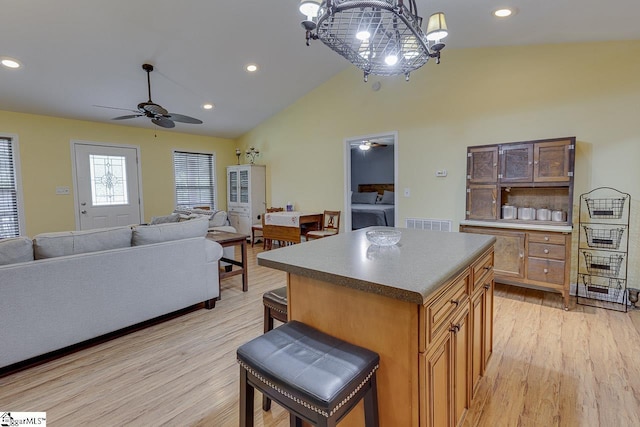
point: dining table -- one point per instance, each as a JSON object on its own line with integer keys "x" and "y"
{"x": 288, "y": 227}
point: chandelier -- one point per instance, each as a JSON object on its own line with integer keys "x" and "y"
{"x": 381, "y": 37}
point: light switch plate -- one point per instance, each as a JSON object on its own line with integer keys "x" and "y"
{"x": 441, "y": 173}
{"x": 63, "y": 190}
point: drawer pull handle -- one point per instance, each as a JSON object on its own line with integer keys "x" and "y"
{"x": 488, "y": 267}
{"x": 487, "y": 286}
{"x": 546, "y": 238}
{"x": 455, "y": 329}
{"x": 545, "y": 271}
{"x": 455, "y": 302}
{"x": 546, "y": 251}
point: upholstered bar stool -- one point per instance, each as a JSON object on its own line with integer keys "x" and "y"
{"x": 275, "y": 307}
{"x": 316, "y": 377}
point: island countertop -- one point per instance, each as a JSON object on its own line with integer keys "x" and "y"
{"x": 410, "y": 271}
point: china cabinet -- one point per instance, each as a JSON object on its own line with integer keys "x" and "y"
{"x": 246, "y": 193}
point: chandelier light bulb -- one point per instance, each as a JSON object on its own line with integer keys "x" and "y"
{"x": 364, "y": 147}
{"x": 391, "y": 59}
{"x": 363, "y": 35}
{"x": 309, "y": 8}
{"x": 437, "y": 27}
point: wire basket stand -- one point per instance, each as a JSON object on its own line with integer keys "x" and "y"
{"x": 603, "y": 242}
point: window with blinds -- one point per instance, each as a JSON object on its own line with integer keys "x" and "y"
{"x": 195, "y": 179}
{"x": 9, "y": 209}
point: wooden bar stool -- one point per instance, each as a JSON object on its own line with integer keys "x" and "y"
{"x": 316, "y": 377}
{"x": 275, "y": 307}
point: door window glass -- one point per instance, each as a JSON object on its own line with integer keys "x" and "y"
{"x": 108, "y": 180}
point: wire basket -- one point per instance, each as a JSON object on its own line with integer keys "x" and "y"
{"x": 603, "y": 238}
{"x": 602, "y": 265}
{"x": 611, "y": 290}
{"x": 605, "y": 208}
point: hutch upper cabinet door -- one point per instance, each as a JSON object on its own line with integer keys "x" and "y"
{"x": 516, "y": 162}
{"x": 481, "y": 202}
{"x": 483, "y": 164}
{"x": 552, "y": 161}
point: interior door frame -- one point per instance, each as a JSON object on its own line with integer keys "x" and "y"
{"x": 347, "y": 172}
{"x": 76, "y": 197}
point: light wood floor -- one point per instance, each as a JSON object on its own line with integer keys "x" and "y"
{"x": 549, "y": 368}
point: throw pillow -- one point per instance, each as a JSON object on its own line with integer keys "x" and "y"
{"x": 387, "y": 198}
{"x": 15, "y": 249}
{"x": 174, "y": 217}
{"x": 368, "y": 198}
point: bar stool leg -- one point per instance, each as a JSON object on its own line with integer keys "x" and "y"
{"x": 246, "y": 400}
{"x": 371, "y": 404}
{"x": 294, "y": 421}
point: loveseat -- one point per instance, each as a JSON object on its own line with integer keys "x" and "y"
{"x": 61, "y": 289}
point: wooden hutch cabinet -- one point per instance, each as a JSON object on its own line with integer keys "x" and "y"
{"x": 530, "y": 174}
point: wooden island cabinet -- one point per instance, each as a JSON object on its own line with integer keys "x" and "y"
{"x": 425, "y": 306}
{"x": 531, "y": 174}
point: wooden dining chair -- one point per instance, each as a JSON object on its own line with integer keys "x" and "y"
{"x": 330, "y": 226}
{"x": 258, "y": 228}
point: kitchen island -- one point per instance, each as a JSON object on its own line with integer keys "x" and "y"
{"x": 424, "y": 305}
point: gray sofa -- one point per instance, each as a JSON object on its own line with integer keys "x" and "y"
{"x": 75, "y": 286}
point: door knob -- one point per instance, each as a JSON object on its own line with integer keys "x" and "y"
{"x": 83, "y": 212}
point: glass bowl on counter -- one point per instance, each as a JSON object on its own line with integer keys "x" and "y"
{"x": 384, "y": 236}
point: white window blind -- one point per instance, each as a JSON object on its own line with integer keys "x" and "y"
{"x": 9, "y": 218}
{"x": 195, "y": 179}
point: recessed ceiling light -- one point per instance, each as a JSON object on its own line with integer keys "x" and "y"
{"x": 503, "y": 13}
{"x": 10, "y": 62}
{"x": 252, "y": 68}
{"x": 208, "y": 106}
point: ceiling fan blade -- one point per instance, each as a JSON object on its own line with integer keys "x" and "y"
{"x": 163, "y": 122}
{"x": 184, "y": 119}
{"x": 115, "y": 108}
{"x": 130, "y": 116}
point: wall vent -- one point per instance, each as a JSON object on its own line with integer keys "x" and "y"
{"x": 429, "y": 224}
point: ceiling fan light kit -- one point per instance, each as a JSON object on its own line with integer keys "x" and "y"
{"x": 159, "y": 115}
{"x": 381, "y": 37}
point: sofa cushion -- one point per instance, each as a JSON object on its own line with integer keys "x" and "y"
{"x": 16, "y": 249}
{"x": 147, "y": 234}
{"x": 50, "y": 245}
{"x": 174, "y": 217}
{"x": 216, "y": 218}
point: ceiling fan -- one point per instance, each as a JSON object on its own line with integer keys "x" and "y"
{"x": 158, "y": 115}
{"x": 369, "y": 144}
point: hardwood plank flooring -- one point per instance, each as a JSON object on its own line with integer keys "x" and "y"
{"x": 550, "y": 367}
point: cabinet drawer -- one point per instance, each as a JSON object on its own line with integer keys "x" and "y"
{"x": 553, "y": 238}
{"x": 546, "y": 250}
{"x": 435, "y": 314}
{"x": 481, "y": 269}
{"x": 546, "y": 270}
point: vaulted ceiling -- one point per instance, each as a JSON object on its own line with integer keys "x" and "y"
{"x": 79, "y": 54}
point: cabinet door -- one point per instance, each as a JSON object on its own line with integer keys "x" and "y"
{"x": 487, "y": 323}
{"x": 509, "y": 252}
{"x": 437, "y": 385}
{"x": 482, "y": 165}
{"x": 481, "y": 202}
{"x": 232, "y": 186}
{"x": 516, "y": 163}
{"x": 461, "y": 330}
{"x": 552, "y": 161}
{"x": 477, "y": 339}
{"x": 244, "y": 186}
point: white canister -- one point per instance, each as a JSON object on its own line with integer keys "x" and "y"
{"x": 558, "y": 216}
{"x": 543, "y": 214}
{"x": 509, "y": 212}
{"x": 526, "y": 213}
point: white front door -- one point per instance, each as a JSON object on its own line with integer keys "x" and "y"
{"x": 107, "y": 185}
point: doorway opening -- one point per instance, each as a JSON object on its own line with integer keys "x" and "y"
{"x": 371, "y": 165}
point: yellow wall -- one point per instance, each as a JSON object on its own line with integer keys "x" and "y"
{"x": 45, "y": 161}
{"x": 474, "y": 97}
